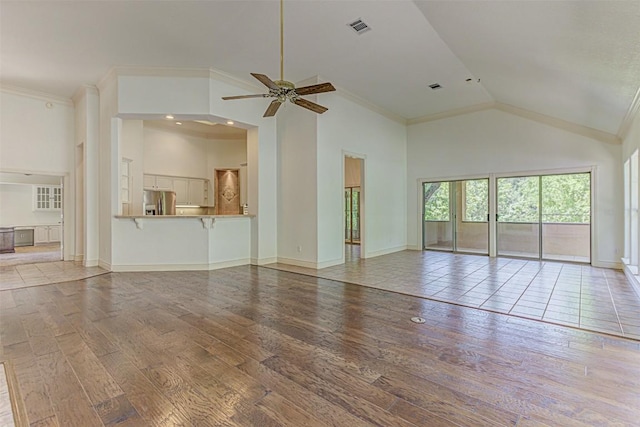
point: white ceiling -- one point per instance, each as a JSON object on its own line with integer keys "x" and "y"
{"x": 578, "y": 61}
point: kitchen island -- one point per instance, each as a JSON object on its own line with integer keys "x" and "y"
{"x": 180, "y": 242}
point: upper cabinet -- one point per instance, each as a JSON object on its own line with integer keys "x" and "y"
{"x": 47, "y": 197}
{"x": 158, "y": 182}
{"x": 189, "y": 191}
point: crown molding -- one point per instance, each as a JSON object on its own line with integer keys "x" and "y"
{"x": 35, "y": 94}
{"x": 82, "y": 90}
{"x": 451, "y": 113}
{"x": 370, "y": 105}
{"x": 632, "y": 113}
{"x": 161, "y": 71}
{"x": 233, "y": 80}
{"x": 598, "y": 135}
{"x": 110, "y": 77}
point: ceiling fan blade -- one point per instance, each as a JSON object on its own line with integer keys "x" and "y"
{"x": 310, "y": 105}
{"x": 319, "y": 88}
{"x": 262, "y": 95}
{"x": 272, "y": 108}
{"x": 265, "y": 81}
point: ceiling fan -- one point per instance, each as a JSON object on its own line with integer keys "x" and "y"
{"x": 283, "y": 90}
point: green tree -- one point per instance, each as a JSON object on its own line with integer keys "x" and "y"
{"x": 436, "y": 201}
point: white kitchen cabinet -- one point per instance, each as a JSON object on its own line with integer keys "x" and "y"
{"x": 198, "y": 192}
{"x": 47, "y": 197}
{"x": 46, "y": 234}
{"x": 157, "y": 182}
{"x": 190, "y": 191}
{"x": 181, "y": 187}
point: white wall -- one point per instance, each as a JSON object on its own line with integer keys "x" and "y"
{"x": 175, "y": 154}
{"x": 87, "y": 146}
{"x": 297, "y": 186}
{"x": 181, "y": 244}
{"x": 33, "y": 137}
{"x": 16, "y": 207}
{"x": 350, "y": 128}
{"x": 493, "y": 141}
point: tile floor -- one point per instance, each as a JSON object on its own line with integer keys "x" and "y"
{"x": 24, "y": 275}
{"x": 580, "y": 296}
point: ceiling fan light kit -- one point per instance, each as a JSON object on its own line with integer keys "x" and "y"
{"x": 283, "y": 90}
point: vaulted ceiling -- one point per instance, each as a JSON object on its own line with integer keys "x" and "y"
{"x": 578, "y": 61}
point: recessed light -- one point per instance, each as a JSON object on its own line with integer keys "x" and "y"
{"x": 168, "y": 116}
{"x": 178, "y": 123}
{"x": 229, "y": 122}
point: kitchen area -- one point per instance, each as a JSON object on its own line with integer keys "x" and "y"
{"x": 183, "y": 195}
{"x": 30, "y": 218}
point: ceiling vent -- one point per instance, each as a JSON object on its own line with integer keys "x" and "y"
{"x": 435, "y": 86}
{"x": 359, "y": 26}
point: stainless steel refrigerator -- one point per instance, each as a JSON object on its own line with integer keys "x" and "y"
{"x": 159, "y": 202}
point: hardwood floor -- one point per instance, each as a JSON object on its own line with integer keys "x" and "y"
{"x": 250, "y": 346}
{"x": 576, "y": 295}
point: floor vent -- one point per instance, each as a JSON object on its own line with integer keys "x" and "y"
{"x": 359, "y": 26}
{"x": 435, "y": 86}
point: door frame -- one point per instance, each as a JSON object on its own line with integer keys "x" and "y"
{"x": 453, "y": 213}
{"x": 363, "y": 202}
{"x": 593, "y": 170}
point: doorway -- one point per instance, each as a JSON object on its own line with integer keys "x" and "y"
{"x": 456, "y": 216}
{"x": 353, "y": 196}
{"x": 31, "y": 208}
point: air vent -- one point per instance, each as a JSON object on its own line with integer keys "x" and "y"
{"x": 359, "y": 26}
{"x": 435, "y": 86}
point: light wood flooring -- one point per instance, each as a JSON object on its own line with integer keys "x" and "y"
{"x": 251, "y": 346}
{"x": 576, "y": 295}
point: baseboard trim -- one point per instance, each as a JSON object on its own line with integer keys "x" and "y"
{"x": 101, "y": 264}
{"x": 633, "y": 278}
{"x": 297, "y": 262}
{"x": 385, "y": 251}
{"x": 78, "y": 258}
{"x": 413, "y": 248}
{"x": 263, "y": 261}
{"x": 608, "y": 264}
{"x": 325, "y": 264}
{"x": 180, "y": 267}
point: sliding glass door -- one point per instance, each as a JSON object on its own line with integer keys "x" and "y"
{"x": 438, "y": 220}
{"x": 456, "y": 216}
{"x": 566, "y": 217}
{"x": 518, "y": 216}
{"x": 545, "y": 217}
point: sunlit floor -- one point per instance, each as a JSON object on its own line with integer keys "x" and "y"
{"x": 580, "y": 296}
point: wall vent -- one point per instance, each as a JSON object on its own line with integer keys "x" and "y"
{"x": 359, "y": 26}
{"x": 435, "y": 86}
